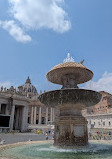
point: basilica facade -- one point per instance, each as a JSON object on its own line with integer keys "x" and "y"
{"x": 24, "y": 108}
{"x": 13, "y": 110}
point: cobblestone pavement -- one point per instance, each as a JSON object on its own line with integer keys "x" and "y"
{"x": 22, "y": 137}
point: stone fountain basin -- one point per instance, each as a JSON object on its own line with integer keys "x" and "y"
{"x": 74, "y": 96}
{"x": 46, "y": 150}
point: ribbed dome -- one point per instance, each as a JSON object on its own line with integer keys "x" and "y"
{"x": 81, "y": 73}
{"x": 28, "y": 87}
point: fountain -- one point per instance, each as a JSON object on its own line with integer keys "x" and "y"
{"x": 70, "y": 125}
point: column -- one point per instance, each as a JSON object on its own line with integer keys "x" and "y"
{"x": 46, "y": 115}
{"x": 12, "y": 117}
{"x": 24, "y": 120}
{"x": 51, "y": 115}
{"x": 40, "y": 115}
{"x": 35, "y": 114}
{"x": 32, "y": 110}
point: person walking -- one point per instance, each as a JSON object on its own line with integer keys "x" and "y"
{"x": 46, "y": 136}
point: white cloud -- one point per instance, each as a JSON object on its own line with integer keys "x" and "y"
{"x": 36, "y": 14}
{"x": 15, "y": 31}
{"x": 103, "y": 84}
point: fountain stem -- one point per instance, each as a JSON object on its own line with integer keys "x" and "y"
{"x": 69, "y": 81}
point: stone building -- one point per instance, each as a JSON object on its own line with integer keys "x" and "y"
{"x": 15, "y": 105}
{"x": 24, "y": 108}
{"x": 38, "y": 113}
{"x": 100, "y": 115}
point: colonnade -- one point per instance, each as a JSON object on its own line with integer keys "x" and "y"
{"x": 18, "y": 116}
{"x": 49, "y": 116}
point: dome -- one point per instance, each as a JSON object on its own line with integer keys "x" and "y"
{"x": 28, "y": 87}
{"x": 78, "y": 70}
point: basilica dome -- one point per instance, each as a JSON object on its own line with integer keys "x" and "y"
{"x": 27, "y": 87}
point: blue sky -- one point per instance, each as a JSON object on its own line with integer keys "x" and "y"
{"x": 35, "y": 35}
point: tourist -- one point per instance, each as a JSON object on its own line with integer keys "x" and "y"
{"x": 49, "y": 131}
{"x": 43, "y": 132}
{"x": 38, "y": 131}
{"x": 46, "y": 136}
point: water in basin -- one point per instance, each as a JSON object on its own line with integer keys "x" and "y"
{"x": 48, "y": 151}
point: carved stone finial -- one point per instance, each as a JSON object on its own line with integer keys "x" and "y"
{"x": 82, "y": 62}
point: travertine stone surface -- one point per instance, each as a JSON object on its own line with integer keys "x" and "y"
{"x": 57, "y": 97}
{"x": 80, "y": 72}
{"x": 66, "y": 131}
{"x": 70, "y": 125}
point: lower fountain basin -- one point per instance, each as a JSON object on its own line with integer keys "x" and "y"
{"x": 74, "y": 96}
{"x": 48, "y": 151}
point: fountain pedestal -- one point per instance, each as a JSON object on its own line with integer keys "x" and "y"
{"x": 71, "y": 126}
{"x": 71, "y": 132}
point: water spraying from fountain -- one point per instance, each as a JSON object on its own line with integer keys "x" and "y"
{"x": 68, "y": 58}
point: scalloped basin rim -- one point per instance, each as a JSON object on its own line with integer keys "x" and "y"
{"x": 69, "y": 89}
{"x": 61, "y": 96}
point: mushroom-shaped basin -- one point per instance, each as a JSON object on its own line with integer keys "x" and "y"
{"x": 78, "y": 70}
{"x": 74, "y": 96}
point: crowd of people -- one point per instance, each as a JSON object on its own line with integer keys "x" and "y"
{"x": 92, "y": 135}
{"x": 100, "y": 135}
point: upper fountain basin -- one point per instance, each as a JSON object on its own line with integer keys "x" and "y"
{"x": 78, "y": 70}
{"x": 74, "y": 96}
